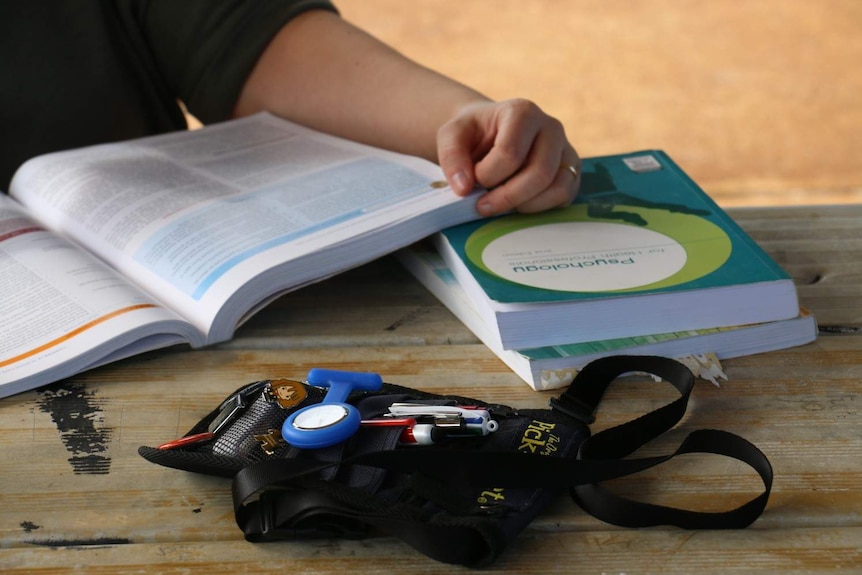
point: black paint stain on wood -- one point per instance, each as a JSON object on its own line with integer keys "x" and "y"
{"x": 77, "y": 413}
{"x": 29, "y": 526}
{"x": 82, "y": 543}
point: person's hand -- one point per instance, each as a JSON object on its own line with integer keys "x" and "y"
{"x": 514, "y": 150}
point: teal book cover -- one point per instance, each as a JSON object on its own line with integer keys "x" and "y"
{"x": 639, "y": 225}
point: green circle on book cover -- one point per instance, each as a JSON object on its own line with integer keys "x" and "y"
{"x": 626, "y": 248}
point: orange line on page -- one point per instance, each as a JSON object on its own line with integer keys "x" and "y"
{"x": 74, "y": 332}
{"x": 21, "y": 232}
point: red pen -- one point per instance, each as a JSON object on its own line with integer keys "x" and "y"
{"x": 188, "y": 440}
{"x": 389, "y": 422}
{"x": 413, "y": 433}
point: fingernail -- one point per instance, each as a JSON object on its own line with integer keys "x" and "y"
{"x": 460, "y": 183}
{"x": 485, "y": 208}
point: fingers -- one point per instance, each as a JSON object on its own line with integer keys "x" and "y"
{"x": 516, "y": 126}
{"x": 561, "y": 191}
{"x": 536, "y": 182}
{"x": 458, "y": 142}
{"x": 514, "y": 150}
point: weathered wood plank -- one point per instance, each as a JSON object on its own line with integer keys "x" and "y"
{"x": 75, "y": 495}
{"x": 793, "y": 551}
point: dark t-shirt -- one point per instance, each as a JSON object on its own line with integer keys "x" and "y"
{"x": 81, "y": 72}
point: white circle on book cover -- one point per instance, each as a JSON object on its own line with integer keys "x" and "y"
{"x": 585, "y": 257}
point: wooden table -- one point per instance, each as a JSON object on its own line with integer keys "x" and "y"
{"x": 76, "y": 497}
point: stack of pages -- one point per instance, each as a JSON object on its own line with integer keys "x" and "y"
{"x": 644, "y": 262}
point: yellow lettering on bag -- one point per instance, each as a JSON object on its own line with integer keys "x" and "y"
{"x": 537, "y": 438}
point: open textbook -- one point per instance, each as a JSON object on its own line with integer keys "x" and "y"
{"x": 113, "y": 250}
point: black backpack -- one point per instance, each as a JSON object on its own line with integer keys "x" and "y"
{"x": 457, "y": 478}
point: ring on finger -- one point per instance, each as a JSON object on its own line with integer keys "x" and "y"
{"x": 573, "y": 170}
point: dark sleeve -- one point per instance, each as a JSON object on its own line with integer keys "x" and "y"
{"x": 205, "y": 49}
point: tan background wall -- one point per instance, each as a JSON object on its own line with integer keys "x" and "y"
{"x": 759, "y": 100}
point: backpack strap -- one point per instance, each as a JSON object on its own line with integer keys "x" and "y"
{"x": 581, "y": 400}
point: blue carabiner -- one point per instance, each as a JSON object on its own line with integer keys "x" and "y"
{"x": 332, "y": 420}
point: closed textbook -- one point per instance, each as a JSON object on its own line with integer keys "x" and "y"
{"x": 643, "y": 250}
{"x": 556, "y": 366}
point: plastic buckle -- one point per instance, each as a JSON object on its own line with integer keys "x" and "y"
{"x": 574, "y": 408}
{"x": 232, "y": 407}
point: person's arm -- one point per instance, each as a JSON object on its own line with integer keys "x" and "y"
{"x": 322, "y": 72}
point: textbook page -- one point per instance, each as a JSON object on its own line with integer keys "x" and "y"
{"x": 239, "y": 211}
{"x": 64, "y": 311}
